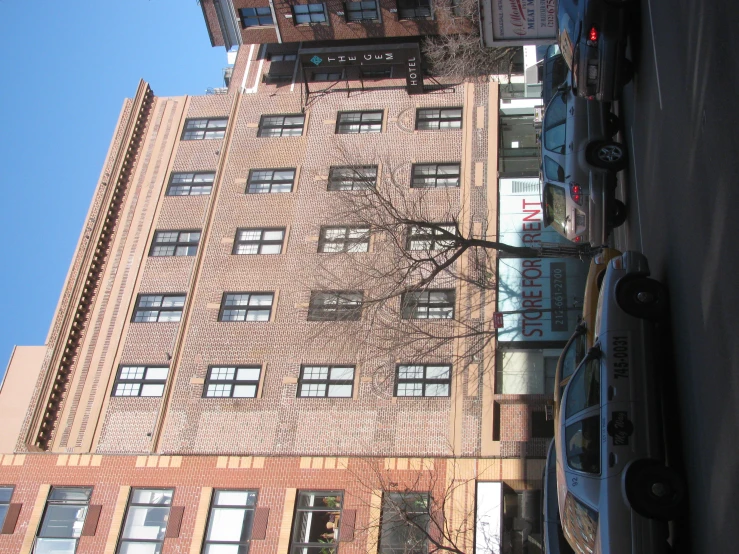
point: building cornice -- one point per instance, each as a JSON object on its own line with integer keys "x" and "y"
{"x": 64, "y": 345}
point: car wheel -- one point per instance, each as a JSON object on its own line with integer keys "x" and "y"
{"x": 614, "y": 124}
{"x": 619, "y": 213}
{"x": 655, "y": 490}
{"x": 643, "y": 297}
{"x": 607, "y": 155}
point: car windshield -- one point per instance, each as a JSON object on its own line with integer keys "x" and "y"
{"x": 582, "y": 440}
{"x": 553, "y": 171}
{"x": 568, "y": 16}
{"x": 554, "y": 127}
{"x": 573, "y": 354}
{"x": 584, "y": 389}
{"x": 555, "y": 208}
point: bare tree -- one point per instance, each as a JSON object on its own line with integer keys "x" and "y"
{"x": 459, "y": 53}
{"x": 417, "y": 511}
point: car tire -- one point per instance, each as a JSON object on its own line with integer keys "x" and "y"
{"x": 643, "y": 298}
{"x": 607, "y": 154}
{"x": 654, "y": 490}
{"x": 619, "y": 213}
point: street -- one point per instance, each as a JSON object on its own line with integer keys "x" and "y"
{"x": 681, "y": 188}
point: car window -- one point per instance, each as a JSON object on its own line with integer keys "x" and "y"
{"x": 574, "y": 354}
{"x": 580, "y": 524}
{"x": 582, "y": 440}
{"x": 555, "y": 207}
{"x": 584, "y": 389}
{"x": 552, "y": 51}
{"x": 553, "y": 170}
{"x": 555, "y": 117}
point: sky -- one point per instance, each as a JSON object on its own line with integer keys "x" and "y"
{"x": 65, "y": 69}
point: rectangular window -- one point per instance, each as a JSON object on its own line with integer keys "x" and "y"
{"x": 140, "y": 381}
{"x": 414, "y": 9}
{"x": 375, "y": 72}
{"x": 281, "y": 125}
{"x": 256, "y": 17}
{"x": 64, "y": 517}
{"x": 266, "y": 181}
{"x": 206, "y": 128}
{"x": 158, "y": 308}
{"x": 430, "y": 119}
{"x": 431, "y": 304}
{"x": 423, "y": 380}
{"x": 326, "y": 381}
{"x": 405, "y": 521}
{"x": 351, "y": 123}
{"x": 6, "y": 493}
{"x": 246, "y": 306}
{"x": 435, "y": 175}
{"x": 146, "y": 521}
{"x": 175, "y": 243}
{"x": 230, "y": 522}
{"x": 361, "y": 11}
{"x": 259, "y": 241}
{"x": 430, "y": 238}
{"x": 335, "y": 306}
{"x": 344, "y": 239}
{"x": 282, "y": 57}
{"x": 310, "y": 13}
{"x": 352, "y": 177}
{"x": 232, "y": 381}
{"x": 323, "y": 76}
{"x": 316, "y": 524}
{"x": 191, "y": 184}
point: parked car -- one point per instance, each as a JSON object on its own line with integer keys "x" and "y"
{"x": 579, "y": 165}
{"x": 592, "y": 36}
{"x": 615, "y": 492}
{"x": 584, "y": 336}
{"x": 554, "y": 539}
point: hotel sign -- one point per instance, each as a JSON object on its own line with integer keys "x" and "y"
{"x": 406, "y": 55}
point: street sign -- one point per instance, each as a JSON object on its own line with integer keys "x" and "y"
{"x": 498, "y": 320}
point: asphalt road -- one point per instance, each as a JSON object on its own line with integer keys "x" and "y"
{"x": 682, "y": 191}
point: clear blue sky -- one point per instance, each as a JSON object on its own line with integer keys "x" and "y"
{"x": 65, "y": 69}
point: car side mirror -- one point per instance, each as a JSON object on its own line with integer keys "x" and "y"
{"x": 594, "y": 352}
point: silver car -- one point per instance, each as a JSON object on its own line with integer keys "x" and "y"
{"x": 615, "y": 492}
{"x": 579, "y": 165}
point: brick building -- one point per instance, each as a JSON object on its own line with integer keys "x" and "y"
{"x": 185, "y": 361}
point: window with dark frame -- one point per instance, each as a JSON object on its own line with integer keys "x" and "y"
{"x": 335, "y": 306}
{"x": 352, "y": 177}
{"x": 281, "y": 125}
{"x": 361, "y": 11}
{"x": 259, "y": 241}
{"x": 145, "y": 523}
{"x": 191, "y": 184}
{"x": 430, "y": 238}
{"x": 344, "y": 239}
{"x": 6, "y": 494}
{"x": 414, "y": 9}
{"x": 316, "y": 522}
{"x": 352, "y": 123}
{"x": 64, "y": 517}
{"x": 435, "y": 175}
{"x": 230, "y": 522}
{"x": 305, "y": 14}
{"x": 268, "y": 181}
{"x": 246, "y": 306}
{"x": 330, "y": 381}
{"x": 370, "y": 73}
{"x": 404, "y": 523}
{"x": 160, "y": 308}
{"x": 256, "y": 17}
{"x": 432, "y": 119}
{"x": 140, "y": 380}
{"x": 175, "y": 243}
{"x": 241, "y": 381}
{"x": 281, "y": 57}
{"x": 205, "y": 128}
{"x": 541, "y": 428}
{"x": 430, "y": 304}
{"x": 423, "y": 380}
{"x": 324, "y": 76}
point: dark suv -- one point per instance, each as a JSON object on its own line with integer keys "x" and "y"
{"x": 592, "y": 38}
